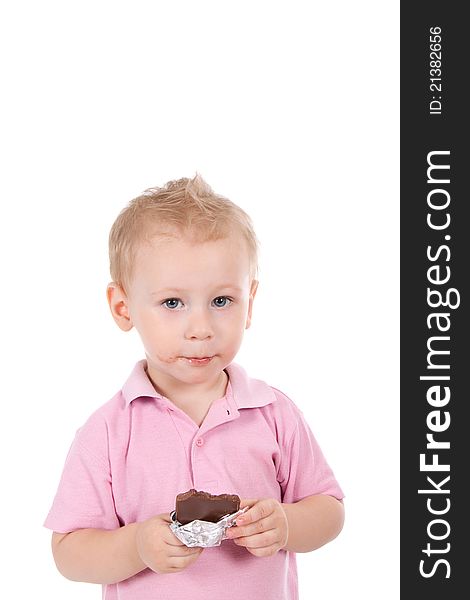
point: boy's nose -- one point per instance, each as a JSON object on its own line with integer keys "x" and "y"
{"x": 198, "y": 327}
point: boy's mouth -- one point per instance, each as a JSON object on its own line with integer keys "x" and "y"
{"x": 197, "y": 360}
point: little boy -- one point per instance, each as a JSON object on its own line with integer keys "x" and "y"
{"x": 183, "y": 262}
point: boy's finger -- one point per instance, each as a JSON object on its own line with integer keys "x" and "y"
{"x": 184, "y": 551}
{"x": 249, "y": 529}
{"x": 174, "y": 541}
{"x": 244, "y": 502}
{"x": 260, "y": 540}
{"x": 260, "y": 510}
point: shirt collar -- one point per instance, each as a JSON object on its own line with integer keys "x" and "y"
{"x": 246, "y": 392}
{"x": 138, "y": 384}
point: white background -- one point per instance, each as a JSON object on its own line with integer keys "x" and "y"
{"x": 288, "y": 108}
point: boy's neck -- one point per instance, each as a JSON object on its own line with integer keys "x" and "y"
{"x": 194, "y": 399}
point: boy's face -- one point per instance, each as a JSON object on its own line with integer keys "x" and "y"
{"x": 190, "y": 303}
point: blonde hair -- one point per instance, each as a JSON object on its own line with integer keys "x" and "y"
{"x": 188, "y": 205}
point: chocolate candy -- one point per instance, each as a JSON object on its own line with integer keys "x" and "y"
{"x": 192, "y": 505}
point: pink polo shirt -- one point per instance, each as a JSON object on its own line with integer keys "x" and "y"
{"x": 138, "y": 451}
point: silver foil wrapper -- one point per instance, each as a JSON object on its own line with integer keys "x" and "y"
{"x": 203, "y": 534}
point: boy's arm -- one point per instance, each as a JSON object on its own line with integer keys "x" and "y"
{"x": 96, "y": 555}
{"x": 313, "y": 522}
{"x": 102, "y": 556}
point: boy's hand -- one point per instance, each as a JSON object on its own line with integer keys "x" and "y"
{"x": 263, "y": 529}
{"x": 160, "y": 550}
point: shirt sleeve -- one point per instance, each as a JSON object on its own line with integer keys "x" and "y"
{"x": 84, "y": 497}
{"x": 304, "y": 470}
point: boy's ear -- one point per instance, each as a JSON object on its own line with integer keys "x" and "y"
{"x": 254, "y": 287}
{"x": 119, "y": 306}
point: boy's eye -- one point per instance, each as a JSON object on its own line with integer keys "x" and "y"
{"x": 172, "y": 303}
{"x": 221, "y": 301}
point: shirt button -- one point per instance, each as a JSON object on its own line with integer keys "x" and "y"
{"x": 199, "y": 442}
